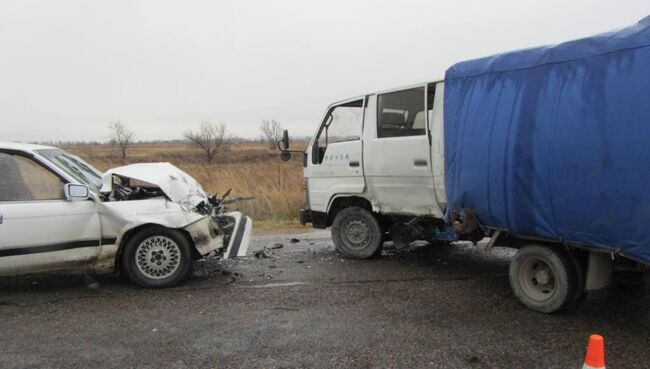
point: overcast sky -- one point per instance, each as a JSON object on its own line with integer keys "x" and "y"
{"x": 68, "y": 67}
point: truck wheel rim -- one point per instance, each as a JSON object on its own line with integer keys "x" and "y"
{"x": 158, "y": 257}
{"x": 537, "y": 279}
{"x": 357, "y": 234}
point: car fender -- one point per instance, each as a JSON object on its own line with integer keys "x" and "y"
{"x": 120, "y": 218}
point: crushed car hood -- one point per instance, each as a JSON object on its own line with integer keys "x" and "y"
{"x": 177, "y": 185}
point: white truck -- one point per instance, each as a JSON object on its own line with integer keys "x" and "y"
{"x": 375, "y": 171}
{"x": 544, "y": 150}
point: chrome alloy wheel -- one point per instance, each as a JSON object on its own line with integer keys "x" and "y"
{"x": 158, "y": 257}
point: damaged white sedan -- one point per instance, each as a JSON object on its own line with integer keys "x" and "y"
{"x": 149, "y": 221}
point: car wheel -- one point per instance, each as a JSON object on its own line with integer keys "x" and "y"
{"x": 157, "y": 257}
{"x": 544, "y": 278}
{"x": 356, "y": 233}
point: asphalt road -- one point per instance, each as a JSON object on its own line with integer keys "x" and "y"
{"x": 304, "y": 306}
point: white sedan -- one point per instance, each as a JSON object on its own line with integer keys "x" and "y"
{"x": 149, "y": 221}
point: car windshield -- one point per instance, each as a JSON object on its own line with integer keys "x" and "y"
{"x": 74, "y": 166}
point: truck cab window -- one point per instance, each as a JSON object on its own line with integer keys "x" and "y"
{"x": 342, "y": 123}
{"x": 401, "y": 113}
{"x": 25, "y": 180}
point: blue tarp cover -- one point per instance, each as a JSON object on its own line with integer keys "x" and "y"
{"x": 554, "y": 142}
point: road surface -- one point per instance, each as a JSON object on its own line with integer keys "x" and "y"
{"x": 305, "y": 306}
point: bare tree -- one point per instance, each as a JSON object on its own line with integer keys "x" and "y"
{"x": 211, "y": 138}
{"x": 271, "y": 132}
{"x": 121, "y": 137}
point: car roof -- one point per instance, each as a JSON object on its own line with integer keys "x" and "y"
{"x": 26, "y": 147}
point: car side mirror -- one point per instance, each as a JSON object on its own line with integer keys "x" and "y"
{"x": 74, "y": 191}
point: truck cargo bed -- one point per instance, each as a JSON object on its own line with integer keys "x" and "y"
{"x": 554, "y": 142}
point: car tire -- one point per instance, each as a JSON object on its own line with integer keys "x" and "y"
{"x": 356, "y": 233}
{"x": 544, "y": 278}
{"x": 157, "y": 257}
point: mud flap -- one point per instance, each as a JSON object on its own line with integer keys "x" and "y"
{"x": 241, "y": 237}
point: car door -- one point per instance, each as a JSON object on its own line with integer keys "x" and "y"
{"x": 397, "y": 158}
{"x": 335, "y": 162}
{"x": 39, "y": 229}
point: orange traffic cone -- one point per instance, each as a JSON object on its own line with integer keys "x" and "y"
{"x": 595, "y": 358}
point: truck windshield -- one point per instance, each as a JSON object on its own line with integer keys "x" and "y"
{"x": 75, "y": 167}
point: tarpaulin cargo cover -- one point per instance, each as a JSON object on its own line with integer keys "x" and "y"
{"x": 554, "y": 142}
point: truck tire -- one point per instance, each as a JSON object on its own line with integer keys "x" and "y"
{"x": 157, "y": 257}
{"x": 357, "y": 233}
{"x": 544, "y": 278}
{"x": 580, "y": 271}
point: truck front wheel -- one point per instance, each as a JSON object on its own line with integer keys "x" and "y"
{"x": 357, "y": 233}
{"x": 544, "y": 278}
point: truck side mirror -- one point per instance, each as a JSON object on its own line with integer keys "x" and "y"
{"x": 285, "y": 140}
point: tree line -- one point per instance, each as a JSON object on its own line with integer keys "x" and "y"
{"x": 210, "y": 138}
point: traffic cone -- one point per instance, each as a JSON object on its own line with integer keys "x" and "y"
{"x": 595, "y": 358}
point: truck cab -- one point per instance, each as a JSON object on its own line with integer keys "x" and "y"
{"x": 374, "y": 169}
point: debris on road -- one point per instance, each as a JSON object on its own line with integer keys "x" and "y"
{"x": 267, "y": 251}
{"x": 91, "y": 282}
{"x": 264, "y": 253}
{"x": 294, "y": 240}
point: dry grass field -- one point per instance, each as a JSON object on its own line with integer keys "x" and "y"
{"x": 250, "y": 169}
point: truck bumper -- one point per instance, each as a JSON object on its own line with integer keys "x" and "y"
{"x": 316, "y": 218}
{"x": 305, "y": 216}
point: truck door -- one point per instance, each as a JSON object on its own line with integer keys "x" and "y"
{"x": 39, "y": 229}
{"x": 335, "y": 164}
{"x": 397, "y": 156}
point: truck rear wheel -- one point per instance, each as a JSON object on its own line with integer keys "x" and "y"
{"x": 579, "y": 269}
{"x": 357, "y": 233}
{"x": 544, "y": 278}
